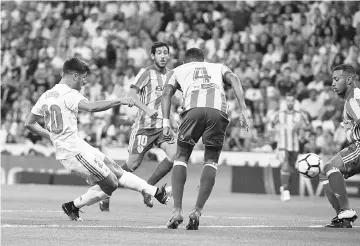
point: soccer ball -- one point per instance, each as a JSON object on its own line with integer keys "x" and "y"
{"x": 309, "y": 165}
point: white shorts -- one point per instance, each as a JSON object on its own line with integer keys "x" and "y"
{"x": 88, "y": 164}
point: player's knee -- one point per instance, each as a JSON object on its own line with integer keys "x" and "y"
{"x": 212, "y": 154}
{"x": 132, "y": 164}
{"x": 110, "y": 184}
{"x": 332, "y": 166}
{"x": 114, "y": 167}
{"x": 183, "y": 151}
{"x": 172, "y": 152}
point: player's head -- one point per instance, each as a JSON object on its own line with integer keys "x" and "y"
{"x": 160, "y": 54}
{"x": 194, "y": 55}
{"x": 343, "y": 79}
{"x": 76, "y": 71}
{"x": 290, "y": 99}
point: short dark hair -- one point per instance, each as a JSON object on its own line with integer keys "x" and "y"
{"x": 290, "y": 92}
{"x": 75, "y": 65}
{"x": 194, "y": 54}
{"x": 348, "y": 69}
{"x": 158, "y": 45}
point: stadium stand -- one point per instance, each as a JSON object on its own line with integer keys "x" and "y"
{"x": 271, "y": 46}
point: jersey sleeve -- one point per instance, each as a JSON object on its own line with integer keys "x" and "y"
{"x": 225, "y": 70}
{"x": 72, "y": 100}
{"x": 37, "y": 108}
{"x": 141, "y": 79}
{"x": 352, "y": 108}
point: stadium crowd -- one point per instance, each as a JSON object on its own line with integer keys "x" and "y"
{"x": 271, "y": 46}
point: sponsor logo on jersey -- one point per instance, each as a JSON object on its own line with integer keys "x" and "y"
{"x": 140, "y": 149}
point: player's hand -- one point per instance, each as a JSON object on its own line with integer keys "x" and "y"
{"x": 152, "y": 113}
{"x": 170, "y": 137}
{"x": 167, "y": 133}
{"x": 127, "y": 101}
{"x": 245, "y": 119}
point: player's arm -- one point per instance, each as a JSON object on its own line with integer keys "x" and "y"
{"x": 141, "y": 80}
{"x": 85, "y": 105}
{"x": 168, "y": 93}
{"x": 32, "y": 124}
{"x": 134, "y": 94}
{"x": 231, "y": 79}
{"x": 352, "y": 108}
{"x": 169, "y": 90}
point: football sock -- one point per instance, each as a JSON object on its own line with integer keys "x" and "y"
{"x": 93, "y": 195}
{"x": 337, "y": 184}
{"x": 207, "y": 182}
{"x": 178, "y": 179}
{"x": 331, "y": 197}
{"x": 133, "y": 182}
{"x": 285, "y": 179}
{"x": 161, "y": 170}
{"x": 126, "y": 168}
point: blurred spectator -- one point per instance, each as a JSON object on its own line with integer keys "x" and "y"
{"x": 272, "y": 47}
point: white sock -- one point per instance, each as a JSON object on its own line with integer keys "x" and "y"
{"x": 93, "y": 195}
{"x": 133, "y": 182}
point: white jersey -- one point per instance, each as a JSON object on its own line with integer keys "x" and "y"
{"x": 59, "y": 107}
{"x": 202, "y": 84}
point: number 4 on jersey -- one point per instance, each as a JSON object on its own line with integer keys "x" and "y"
{"x": 201, "y": 73}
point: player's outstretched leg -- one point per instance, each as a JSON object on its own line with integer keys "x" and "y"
{"x": 337, "y": 184}
{"x": 102, "y": 190}
{"x": 178, "y": 180}
{"x": 161, "y": 170}
{"x": 133, "y": 182}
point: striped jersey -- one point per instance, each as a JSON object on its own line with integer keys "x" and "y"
{"x": 287, "y": 134}
{"x": 351, "y": 117}
{"x": 202, "y": 85}
{"x": 149, "y": 83}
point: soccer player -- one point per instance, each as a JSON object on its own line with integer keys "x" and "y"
{"x": 148, "y": 127}
{"x": 59, "y": 108}
{"x": 288, "y": 122}
{"x": 346, "y": 163}
{"x": 205, "y": 115}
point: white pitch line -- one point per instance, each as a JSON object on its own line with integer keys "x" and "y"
{"x": 32, "y": 211}
{"x": 204, "y": 216}
{"x": 155, "y": 227}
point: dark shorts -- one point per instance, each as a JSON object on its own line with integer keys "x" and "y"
{"x": 142, "y": 140}
{"x": 208, "y": 123}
